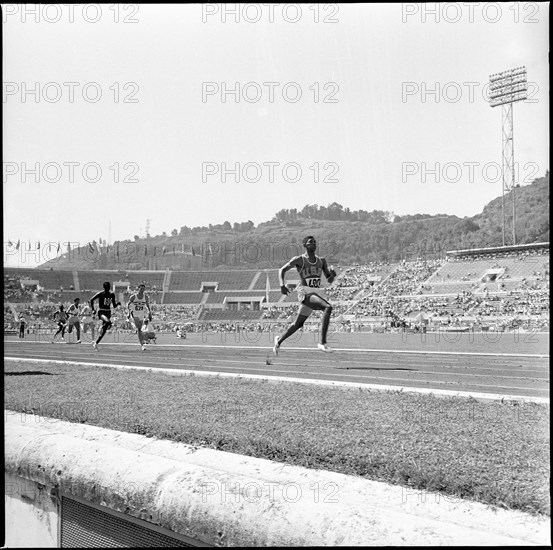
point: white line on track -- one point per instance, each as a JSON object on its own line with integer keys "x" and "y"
{"x": 494, "y": 367}
{"x": 280, "y": 379}
{"x": 227, "y": 364}
{"x": 224, "y": 363}
{"x": 352, "y": 350}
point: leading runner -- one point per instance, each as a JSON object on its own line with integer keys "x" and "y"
{"x": 310, "y": 268}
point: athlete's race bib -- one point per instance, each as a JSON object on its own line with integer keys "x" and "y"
{"x": 313, "y": 283}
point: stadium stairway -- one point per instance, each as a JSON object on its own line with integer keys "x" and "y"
{"x": 76, "y": 282}
{"x": 165, "y": 286}
{"x": 254, "y": 281}
{"x": 429, "y": 279}
{"x": 200, "y": 311}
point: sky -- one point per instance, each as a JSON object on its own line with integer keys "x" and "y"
{"x": 116, "y": 114}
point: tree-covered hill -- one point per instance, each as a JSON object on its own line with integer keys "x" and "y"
{"x": 345, "y": 236}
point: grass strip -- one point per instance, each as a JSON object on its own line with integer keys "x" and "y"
{"x": 495, "y": 453}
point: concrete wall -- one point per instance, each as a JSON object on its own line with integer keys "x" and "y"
{"x": 31, "y": 514}
{"x": 230, "y": 500}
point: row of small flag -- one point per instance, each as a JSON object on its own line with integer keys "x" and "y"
{"x": 18, "y": 245}
{"x": 50, "y": 245}
{"x": 93, "y": 247}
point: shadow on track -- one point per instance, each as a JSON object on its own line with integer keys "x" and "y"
{"x": 29, "y": 373}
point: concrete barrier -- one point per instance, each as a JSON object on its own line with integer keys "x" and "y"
{"x": 222, "y": 499}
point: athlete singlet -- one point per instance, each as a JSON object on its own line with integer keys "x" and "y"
{"x": 105, "y": 300}
{"x": 138, "y": 306}
{"x": 73, "y": 313}
{"x": 310, "y": 276}
{"x": 60, "y": 316}
{"x": 87, "y": 314}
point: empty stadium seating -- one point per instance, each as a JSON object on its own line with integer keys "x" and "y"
{"x": 152, "y": 278}
{"x": 219, "y": 297}
{"x": 183, "y": 297}
{"x": 261, "y": 282}
{"x": 94, "y": 280}
{"x": 227, "y": 280}
{"x": 229, "y": 315}
{"x": 70, "y": 295}
{"x": 475, "y": 269}
{"x": 49, "y": 280}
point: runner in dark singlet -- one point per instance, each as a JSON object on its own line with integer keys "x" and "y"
{"x": 106, "y": 299}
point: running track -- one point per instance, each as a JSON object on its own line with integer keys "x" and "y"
{"x": 504, "y": 370}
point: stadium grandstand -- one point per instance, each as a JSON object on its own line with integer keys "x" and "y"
{"x": 500, "y": 286}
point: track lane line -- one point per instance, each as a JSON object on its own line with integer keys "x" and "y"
{"x": 352, "y": 350}
{"x": 367, "y": 366}
{"x": 343, "y": 384}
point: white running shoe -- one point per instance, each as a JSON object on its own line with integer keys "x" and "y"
{"x": 325, "y": 348}
{"x": 78, "y": 342}
{"x": 95, "y": 346}
{"x": 143, "y": 347}
{"x": 276, "y": 347}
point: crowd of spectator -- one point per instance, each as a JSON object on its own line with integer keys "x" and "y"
{"x": 382, "y": 290}
{"x": 530, "y": 303}
{"x": 409, "y": 276}
{"x": 16, "y": 291}
{"x": 521, "y": 255}
{"x": 357, "y": 275}
{"x": 276, "y": 313}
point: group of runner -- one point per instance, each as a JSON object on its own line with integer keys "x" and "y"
{"x": 72, "y": 319}
{"x": 309, "y": 266}
{"x": 136, "y": 308}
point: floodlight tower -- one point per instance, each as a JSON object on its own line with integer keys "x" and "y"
{"x": 507, "y": 88}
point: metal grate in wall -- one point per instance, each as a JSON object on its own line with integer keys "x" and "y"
{"x": 87, "y": 526}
